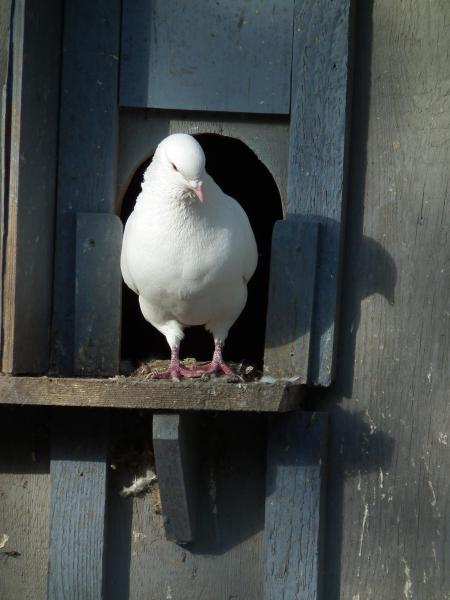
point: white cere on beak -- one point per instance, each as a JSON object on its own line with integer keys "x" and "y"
{"x": 197, "y": 188}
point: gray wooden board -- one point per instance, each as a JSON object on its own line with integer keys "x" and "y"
{"x": 215, "y": 56}
{"x": 225, "y": 561}
{"x": 388, "y": 516}
{"x": 87, "y": 147}
{"x": 5, "y": 116}
{"x": 294, "y": 516}
{"x": 175, "y": 449}
{"x": 122, "y": 392}
{"x": 24, "y": 503}
{"x": 78, "y": 473}
{"x": 317, "y": 158}
{"x": 98, "y": 294}
{"x": 32, "y": 184}
{"x": 291, "y": 299}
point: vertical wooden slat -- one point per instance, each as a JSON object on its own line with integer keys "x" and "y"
{"x": 78, "y": 473}
{"x": 317, "y": 157}
{"x": 98, "y": 291}
{"x": 296, "y": 463}
{"x": 32, "y": 181}
{"x": 174, "y": 443}
{"x": 5, "y": 48}
{"x": 87, "y": 149}
{"x": 291, "y": 298}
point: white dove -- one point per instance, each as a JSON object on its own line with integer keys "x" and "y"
{"x": 188, "y": 252}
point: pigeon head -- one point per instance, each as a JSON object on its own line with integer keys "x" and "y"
{"x": 183, "y": 161}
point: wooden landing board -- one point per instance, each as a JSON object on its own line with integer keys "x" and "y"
{"x": 78, "y": 473}
{"x": 121, "y": 392}
{"x": 296, "y": 462}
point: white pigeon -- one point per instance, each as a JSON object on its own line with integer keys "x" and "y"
{"x": 188, "y": 252}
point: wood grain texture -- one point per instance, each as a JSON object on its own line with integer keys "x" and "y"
{"x": 294, "y": 516}
{"x": 121, "y": 392}
{"x": 175, "y": 450}
{"x": 222, "y": 56}
{"x": 5, "y": 116}
{"x": 24, "y": 503}
{"x": 98, "y": 294}
{"x": 317, "y": 157}
{"x": 87, "y": 147}
{"x": 32, "y": 183}
{"x": 293, "y": 265}
{"x": 78, "y": 472}
{"x": 389, "y": 490}
{"x": 225, "y": 561}
{"x": 141, "y": 132}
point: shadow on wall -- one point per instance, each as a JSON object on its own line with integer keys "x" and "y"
{"x": 240, "y": 174}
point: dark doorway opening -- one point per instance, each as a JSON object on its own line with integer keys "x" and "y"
{"x": 240, "y": 174}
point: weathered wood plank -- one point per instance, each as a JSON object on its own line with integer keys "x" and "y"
{"x": 5, "y": 116}
{"x": 32, "y": 184}
{"x": 98, "y": 294}
{"x": 87, "y": 147}
{"x": 175, "y": 449}
{"x": 227, "y": 56}
{"x": 78, "y": 472}
{"x": 225, "y": 560}
{"x": 317, "y": 158}
{"x": 134, "y": 393}
{"x": 24, "y": 503}
{"x": 293, "y": 265}
{"x": 388, "y": 515}
{"x": 296, "y": 468}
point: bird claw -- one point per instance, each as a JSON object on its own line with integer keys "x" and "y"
{"x": 175, "y": 373}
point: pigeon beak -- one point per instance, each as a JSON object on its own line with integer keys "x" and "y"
{"x": 197, "y": 188}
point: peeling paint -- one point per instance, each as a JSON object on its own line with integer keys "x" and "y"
{"x": 363, "y": 527}
{"x": 407, "y": 589}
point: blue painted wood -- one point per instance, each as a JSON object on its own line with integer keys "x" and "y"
{"x": 98, "y": 294}
{"x": 317, "y": 155}
{"x": 217, "y": 56}
{"x": 78, "y": 472}
{"x": 174, "y": 444}
{"x": 30, "y": 139}
{"x": 87, "y": 148}
{"x": 291, "y": 299}
{"x": 295, "y": 493}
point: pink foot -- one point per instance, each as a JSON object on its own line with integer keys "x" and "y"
{"x": 218, "y": 366}
{"x": 175, "y": 370}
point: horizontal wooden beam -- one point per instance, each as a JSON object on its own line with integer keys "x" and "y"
{"x": 122, "y": 392}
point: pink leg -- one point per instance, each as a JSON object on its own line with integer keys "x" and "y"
{"x": 217, "y": 365}
{"x": 175, "y": 371}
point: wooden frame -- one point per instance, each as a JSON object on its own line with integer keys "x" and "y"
{"x": 30, "y": 199}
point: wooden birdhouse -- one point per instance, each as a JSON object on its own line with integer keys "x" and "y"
{"x": 91, "y": 89}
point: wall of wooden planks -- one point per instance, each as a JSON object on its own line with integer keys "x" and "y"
{"x": 387, "y": 526}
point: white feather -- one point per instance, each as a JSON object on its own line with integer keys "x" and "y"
{"x": 189, "y": 261}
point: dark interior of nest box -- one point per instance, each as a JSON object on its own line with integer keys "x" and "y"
{"x": 240, "y": 174}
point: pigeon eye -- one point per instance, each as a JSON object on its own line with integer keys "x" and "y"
{"x": 174, "y": 167}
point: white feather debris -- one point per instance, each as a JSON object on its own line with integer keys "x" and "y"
{"x": 139, "y": 485}
{"x": 4, "y": 540}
